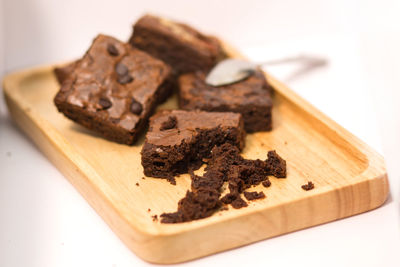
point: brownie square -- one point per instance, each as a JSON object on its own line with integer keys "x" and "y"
{"x": 179, "y": 45}
{"x": 179, "y": 140}
{"x": 250, "y": 97}
{"x": 113, "y": 89}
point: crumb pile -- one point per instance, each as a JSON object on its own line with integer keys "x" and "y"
{"x": 225, "y": 165}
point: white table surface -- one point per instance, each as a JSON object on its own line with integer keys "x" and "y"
{"x": 44, "y": 221}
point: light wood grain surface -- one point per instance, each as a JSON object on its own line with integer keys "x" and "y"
{"x": 349, "y": 177}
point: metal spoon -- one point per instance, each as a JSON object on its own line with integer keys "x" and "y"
{"x": 233, "y": 70}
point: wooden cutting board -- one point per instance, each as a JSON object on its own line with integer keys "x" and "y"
{"x": 349, "y": 176}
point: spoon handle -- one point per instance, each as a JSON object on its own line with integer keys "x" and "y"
{"x": 305, "y": 59}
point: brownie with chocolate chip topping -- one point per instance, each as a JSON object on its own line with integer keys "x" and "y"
{"x": 179, "y": 45}
{"x": 250, "y": 97}
{"x": 179, "y": 140}
{"x": 113, "y": 89}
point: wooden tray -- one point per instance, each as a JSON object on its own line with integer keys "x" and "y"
{"x": 349, "y": 177}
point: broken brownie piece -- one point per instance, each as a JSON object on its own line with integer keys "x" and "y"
{"x": 187, "y": 140}
{"x": 113, "y": 89}
{"x": 225, "y": 164}
{"x": 242, "y": 173}
{"x": 195, "y": 205}
{"x": 250, "y": 97}
{"x": 182, "y": 47}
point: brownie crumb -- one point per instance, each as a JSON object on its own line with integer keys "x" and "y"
{"x": 143, "y": 178}
{"x": 229, "y": 198}
{"x": 155, "y": 218}
{"x": 266, "y": 183}
{"x": 137, "y": 184}
{"x": 254, "y": 195}
{"x": 239, "y": 203}
{"x": 211, "y": 179}
{"x": 171, "y": 180}
{"x": 148, "y": 210}
{"x": 276, "y": 165}
{"x": 170, "y": 123}
{"x": 308, "y": 186}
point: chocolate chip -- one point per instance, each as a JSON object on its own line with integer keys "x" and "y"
{"x": 125, "y": 79}
{"x": 121, "y": 69}
{"x": 112, "y": 50}
{"x": 105, "y": 103}
{"x": 136, "y": 107}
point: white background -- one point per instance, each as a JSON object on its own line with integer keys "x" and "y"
{"x": 45, "y": 222}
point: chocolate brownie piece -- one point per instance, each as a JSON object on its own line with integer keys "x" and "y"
{"x": 225, "y": 164}
{"x": 187, "y": 140}
{"x": 179, "y": 45}
{"x": 250, "y": 97}
{"x": 63, "y": 72}
{"x": 113, "y": 89}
